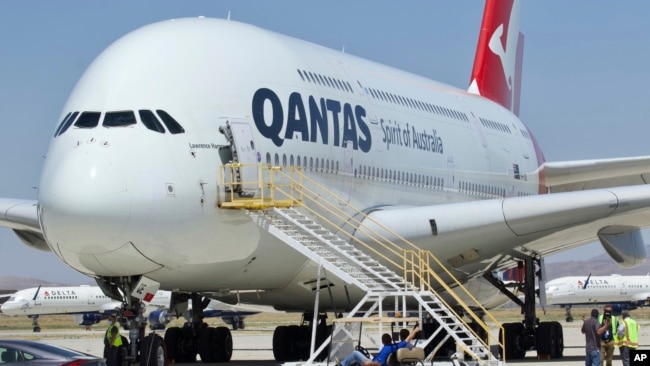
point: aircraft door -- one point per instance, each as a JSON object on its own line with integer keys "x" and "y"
{"x": 349, "y": 174}
{"x": 244, "y": 151}
{"x": 451, "y": 176}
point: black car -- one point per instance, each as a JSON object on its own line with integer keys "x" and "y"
{"x": 19, "y": 351}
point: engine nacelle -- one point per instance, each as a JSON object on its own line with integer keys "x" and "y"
{"x": 158, "y": 319}
{"x": 624, "y": 245}
{"x": 618, "y": 308}
{"x": 87, "y": 319}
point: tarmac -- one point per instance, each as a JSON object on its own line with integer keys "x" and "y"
{"x": 254, "y": 346}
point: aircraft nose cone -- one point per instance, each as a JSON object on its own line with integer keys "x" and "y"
{"x": 85, "y": 203}
{"x": 10, "y": 307}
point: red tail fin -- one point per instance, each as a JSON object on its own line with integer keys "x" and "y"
{"x": 499, "y": 55}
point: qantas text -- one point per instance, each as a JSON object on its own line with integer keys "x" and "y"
{"x": 307, "y": 124}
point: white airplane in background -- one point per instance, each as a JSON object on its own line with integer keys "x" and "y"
{"x": 622, "y": 292}
{"x": 130, "y": 193}
{"x": 90, "y": 305}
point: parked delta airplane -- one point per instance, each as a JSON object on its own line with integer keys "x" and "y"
{"x": 90, "y": 305}
{"x": 132, "y": 193}
{"x": 622, "y": 292}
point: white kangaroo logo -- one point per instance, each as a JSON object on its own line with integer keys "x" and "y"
{"x": 509, "y": 54}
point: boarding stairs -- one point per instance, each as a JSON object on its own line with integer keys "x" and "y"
{"x": 284, "y": 212}
{"x": 352, "y": 265}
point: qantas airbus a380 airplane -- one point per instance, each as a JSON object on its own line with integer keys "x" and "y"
{"x": 130, "y": 187}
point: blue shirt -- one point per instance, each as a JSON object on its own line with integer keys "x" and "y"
{"x": 386, "y": 350}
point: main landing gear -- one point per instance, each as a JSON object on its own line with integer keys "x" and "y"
{"x": 37, "y": 328}
{"x": 567, "y": 309}
{"x": 545, "y": 337}
{"x": 195, "y": 337}
{"x": 293, "y": 342}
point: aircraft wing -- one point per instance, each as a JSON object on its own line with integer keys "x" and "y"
{"x": 580, "y": 175}
{"x": 490, "y": 235}
{"x": 22, "y": 217}
{"x": 642, "y": 298}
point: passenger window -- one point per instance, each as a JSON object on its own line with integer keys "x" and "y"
{"x": 172, "y": 126}
{"x": 88, "y": 120}
{"x": 119, "y": 119}
{"x": 64, "y": 127}
{"x": 150, "y": 121}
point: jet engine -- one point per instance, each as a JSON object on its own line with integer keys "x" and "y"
{"x": 158, "y": 319}
{"x": 87, "y": 318}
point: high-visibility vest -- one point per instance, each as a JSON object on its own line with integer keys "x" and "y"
{"x": 613, "y": 322}
{"x": 118, "y": 339}
{"x": 631, "y": 335}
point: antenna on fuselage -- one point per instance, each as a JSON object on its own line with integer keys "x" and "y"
{"x": 228, "y": 15}
{"x": 36, "y": 293}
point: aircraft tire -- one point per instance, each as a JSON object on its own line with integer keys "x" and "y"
{"x": 559, "y": 344}
{"x": 152, "y": 351}
{"x": 241, "y": 324}
{"x": 280, "y": 343}
{"x": 549, "y": 339}
{"x": 215, "y": 344}
{"x": 513, "y": 331}
{"x": 569, "y": 319}
{"x": 297, "y": 348}
{"x": 224, "y": 343}
{"x": 173, "y": 339}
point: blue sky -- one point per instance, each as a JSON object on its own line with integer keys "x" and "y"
{"x": 585, "y": 76}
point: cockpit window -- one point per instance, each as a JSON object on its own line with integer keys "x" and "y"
{"x": 150, "y": 121}
{"x": 119, "y": 119}
{"x": 67, "y": 122}
{"x": 88, "y": 120}
{"x": 56, "y": 132}
{"x": 173, "y": 126}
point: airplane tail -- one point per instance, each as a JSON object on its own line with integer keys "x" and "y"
{"x": 499, "y": 55}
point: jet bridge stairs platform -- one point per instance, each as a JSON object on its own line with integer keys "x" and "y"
{"x": 293, "y": 208}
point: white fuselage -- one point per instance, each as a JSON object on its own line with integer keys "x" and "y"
{"x": 59, "y": 300}
{"x": 117, "y": 201}
{"x": 600, "y": 289}
{"x": 68, "y": 300}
